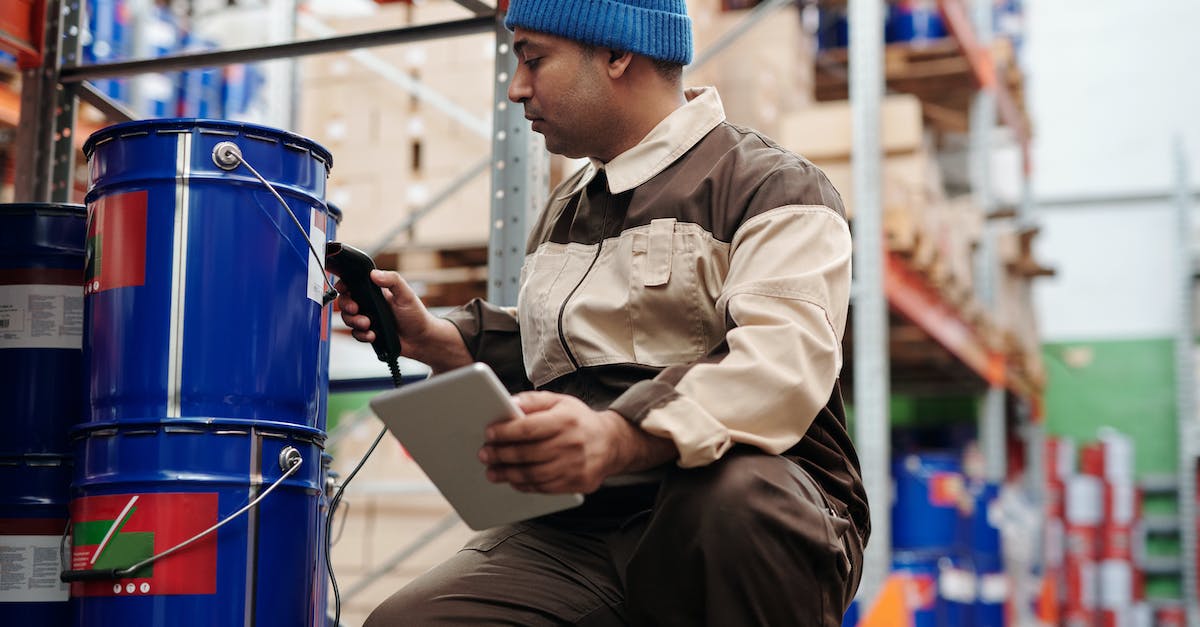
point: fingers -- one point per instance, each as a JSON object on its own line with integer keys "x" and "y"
{"x": 529, "y": 428}
{"x": 515, "y": 454}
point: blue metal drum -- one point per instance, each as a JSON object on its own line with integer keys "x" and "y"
{"x": 929, "y": 488}
{"x": 41, "y": 325}
{"x": 203, "y": 297}
{"x": 41, "y": 382}
{"x": 335, "y": 218}
{"x": 924, "y": 573}
{"x": 984, "y": 551}
{"x": 33, "y": 519}
{"x": 206, "y": 356}
{"x": 144, "y": 487}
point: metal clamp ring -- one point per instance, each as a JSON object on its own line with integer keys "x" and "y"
{"x": 289, "y": 457}
{"x": 227, "y": 155}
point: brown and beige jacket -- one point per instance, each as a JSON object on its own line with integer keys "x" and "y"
{"x": 697, "y": 284}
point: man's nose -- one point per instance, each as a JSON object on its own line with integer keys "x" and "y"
{"x": 518, "y": 87}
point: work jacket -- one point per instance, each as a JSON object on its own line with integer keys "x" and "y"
{"x": 698, "y": 285}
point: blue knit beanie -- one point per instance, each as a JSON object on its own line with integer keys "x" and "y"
{"x": 659, "y": 29}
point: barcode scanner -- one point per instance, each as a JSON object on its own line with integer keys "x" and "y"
{"x": 354, "y": 267}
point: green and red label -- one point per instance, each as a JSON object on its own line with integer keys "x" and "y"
{"x": 119, "y": 531}
{"x": 116, "y": 242}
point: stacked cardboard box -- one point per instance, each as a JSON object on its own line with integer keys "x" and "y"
{"x": 765, "y": 74}
{"x": 392, "y": 151}
{"x": 1014, "y": 309}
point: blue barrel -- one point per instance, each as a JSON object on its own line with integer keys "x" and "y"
{"x": 41, "y": 382}
{"x": 984, "y": 550}
{"x": 41, "y": 325}
{"x": 204, "y": 358}
{"x": 203, "y": 298}
{"x": 929, "y": 487}
{"x": 925, "y": 599}
{"x": 143, "y": 487}
{"x": 335, "y": 218}
{"x": 33, "y": 520}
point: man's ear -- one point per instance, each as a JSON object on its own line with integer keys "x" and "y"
{"x": 618, "y": 62}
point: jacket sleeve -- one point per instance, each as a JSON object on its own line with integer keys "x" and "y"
{"x": 785, "y": 302}
{"x": 493, "y": 336}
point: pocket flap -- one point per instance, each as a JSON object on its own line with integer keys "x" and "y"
{"x": 659, "y": 251}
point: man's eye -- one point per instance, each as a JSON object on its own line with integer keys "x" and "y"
{"x": 532, "y": 63}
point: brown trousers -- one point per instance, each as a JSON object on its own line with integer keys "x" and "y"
{"x": 748, "y": 540}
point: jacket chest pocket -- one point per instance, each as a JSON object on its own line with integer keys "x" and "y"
{"x": 671, "y": 313}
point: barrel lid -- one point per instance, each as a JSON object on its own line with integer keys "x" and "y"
{"x": 43, "y": 209}
{"x": 137, "y": 127}
{"x": 335, "y": 212}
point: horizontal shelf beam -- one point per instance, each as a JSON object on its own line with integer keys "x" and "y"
{"x": 410, "y": 34}
{"x": 911, "y": 296}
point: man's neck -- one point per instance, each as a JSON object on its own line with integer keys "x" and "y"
{"x": 648, "y": 114}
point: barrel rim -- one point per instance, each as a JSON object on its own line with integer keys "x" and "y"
{"x": 107, "y": 132}
{"x": 60, "y": 209}
{"x": 83, "y": 430}
{"x": 335, "y": 212}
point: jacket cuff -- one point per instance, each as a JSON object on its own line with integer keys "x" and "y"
{"x": 492, "y": 336}
{"x": 657, "y": 408}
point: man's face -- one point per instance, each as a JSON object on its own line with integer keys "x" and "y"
{"x": 564, "y": 91}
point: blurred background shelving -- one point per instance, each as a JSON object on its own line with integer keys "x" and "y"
{"x": 1033, "y": 325}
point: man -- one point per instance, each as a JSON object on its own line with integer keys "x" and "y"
{"x": 675, "y": 351}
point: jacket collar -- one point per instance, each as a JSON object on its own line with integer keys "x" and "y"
{"x": 665, "y": 143}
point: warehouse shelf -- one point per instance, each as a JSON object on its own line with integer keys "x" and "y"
{"x": 21, "y": 29}
{"x": 945, "y": 74}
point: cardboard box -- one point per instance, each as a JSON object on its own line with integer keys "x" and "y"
{"x": 824, "y": 131}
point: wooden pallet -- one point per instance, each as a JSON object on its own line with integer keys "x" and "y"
{"x": 443, "y": 276}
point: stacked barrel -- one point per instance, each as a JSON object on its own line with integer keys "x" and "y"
{"x": 41, "y": 329}
{"x": 1094, "y": 533}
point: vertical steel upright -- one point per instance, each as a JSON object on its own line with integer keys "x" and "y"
{"x": 520, "y": 179}
{"x": 982, "y": 130}
{"x": 45, "y": 148}
{"x": 871, "y": 372}
{"x": 1185, "y": 387}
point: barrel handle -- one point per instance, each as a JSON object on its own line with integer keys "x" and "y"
{"x": 290, "y": 461}
{"x": 227, "y": 156}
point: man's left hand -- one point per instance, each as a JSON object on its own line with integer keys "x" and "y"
{"x": 561, "y": 445}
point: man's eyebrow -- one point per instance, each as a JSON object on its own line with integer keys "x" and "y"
{"x": 522, "y": 45}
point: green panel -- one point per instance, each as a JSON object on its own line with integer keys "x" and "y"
{"x": 1128, "y": 385}
{"x": 1163, "y": 588}
{"x": 344, "y": 403}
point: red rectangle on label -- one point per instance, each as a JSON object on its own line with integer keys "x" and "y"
{"x": 118, "y": 531}
{"x": 116, "y": 242}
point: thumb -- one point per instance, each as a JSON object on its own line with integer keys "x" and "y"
{"x": 531, "y": 402}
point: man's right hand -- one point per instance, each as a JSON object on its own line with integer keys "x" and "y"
{"x": 423, "y": 336}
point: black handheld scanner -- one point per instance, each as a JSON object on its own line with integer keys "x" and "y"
{"x": 354, "y": 267}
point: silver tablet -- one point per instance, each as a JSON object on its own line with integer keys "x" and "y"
{"x": 440, "y": 422}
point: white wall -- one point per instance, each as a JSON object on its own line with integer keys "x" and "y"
{"x": 1110, "y": 85}
{"x": 1116, "y": 267}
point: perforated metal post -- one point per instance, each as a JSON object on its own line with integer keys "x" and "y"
{"x": 1185, "y": 388}
{"x": 871, "y": 372}
{"x": 992, "y": 437}
{"x": 45, "y": 165}
{"x": 519, "y": 180}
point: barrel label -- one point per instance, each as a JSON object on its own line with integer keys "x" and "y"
{"x": 41, "y": 316}
{"x": 119, "y": 531}
{"x": 116, "y": 242}
{"x": 30, "y": 560}
{"x": 316, "y": 278}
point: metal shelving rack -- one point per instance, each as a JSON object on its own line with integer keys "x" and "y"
{"x": 884, "y": 279}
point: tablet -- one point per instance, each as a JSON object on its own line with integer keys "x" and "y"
{"x": 440, "y": 422}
